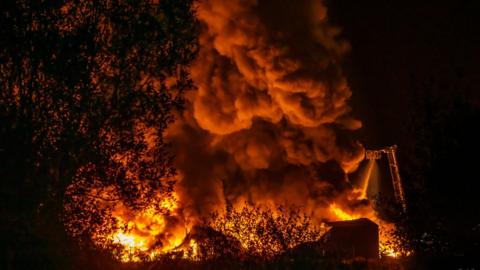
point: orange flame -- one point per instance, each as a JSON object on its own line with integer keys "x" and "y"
{"x": 146, "y": 234}
{"x": 341, "y": 214}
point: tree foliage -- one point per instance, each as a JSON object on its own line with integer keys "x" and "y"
{"x": 263, "y": 232}
{"x": 439, "y": 156}
{"x": 86, "y": 91}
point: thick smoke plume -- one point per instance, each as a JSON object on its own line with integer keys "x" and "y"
{"x": 269, "y": 122}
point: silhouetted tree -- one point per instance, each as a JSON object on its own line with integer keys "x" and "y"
{"x": 86, "y": 91}
{"x": 264, "y": 232}
{"x": 439, "y": 155}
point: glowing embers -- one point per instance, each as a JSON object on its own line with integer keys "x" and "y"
{"x": 389, "y": 252}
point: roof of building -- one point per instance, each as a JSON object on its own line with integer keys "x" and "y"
{"x": 352, "y": 223}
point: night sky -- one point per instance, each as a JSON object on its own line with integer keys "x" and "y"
{"x": 393, "y": 40}
{"x": 400, "y": 45}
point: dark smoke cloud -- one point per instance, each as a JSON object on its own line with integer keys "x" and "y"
{"x": 264, "y": 123}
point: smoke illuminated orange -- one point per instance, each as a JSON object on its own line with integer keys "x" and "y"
{"x": 262, "y": 124}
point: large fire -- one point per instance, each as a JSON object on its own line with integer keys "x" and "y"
{"x": 267, "y": 124}
{"x": 143, "y": 235}
{"x": 147, "y": 234}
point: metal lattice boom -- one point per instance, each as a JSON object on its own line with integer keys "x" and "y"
{"x": 394, "y": 171}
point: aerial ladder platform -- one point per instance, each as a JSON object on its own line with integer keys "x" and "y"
{"x": 390, "y": 152}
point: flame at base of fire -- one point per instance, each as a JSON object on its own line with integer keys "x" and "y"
{"x": 146, "y": 234}
{"x": 143, "y": 235}
{"x": 161, "y": 229}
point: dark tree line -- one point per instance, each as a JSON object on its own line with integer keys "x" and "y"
{"x": 439, "y": 155}
{"x": 86, "y": 91}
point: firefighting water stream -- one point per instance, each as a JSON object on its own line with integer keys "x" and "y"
{"x": 268, "y": 125}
